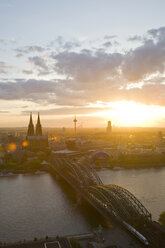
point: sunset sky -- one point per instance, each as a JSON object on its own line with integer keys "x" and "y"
{"x": 99, "y": 59}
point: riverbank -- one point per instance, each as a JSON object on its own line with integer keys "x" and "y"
{"x": 12, "y": 173}
{"x": 100, "y": 237}
{"x": 8, "y": 173}
{"x": 124, "y": 166}
{"x": 23, "y": 168}
{"x": 117, "y": 165}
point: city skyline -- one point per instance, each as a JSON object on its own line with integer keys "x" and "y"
{"x": 85, "y": 59}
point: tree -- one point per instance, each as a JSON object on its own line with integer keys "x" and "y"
{"x": 162, "y": 218}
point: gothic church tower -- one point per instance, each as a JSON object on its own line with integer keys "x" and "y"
{"x": 30, "y": 131}
{"x": 38, "y": 127}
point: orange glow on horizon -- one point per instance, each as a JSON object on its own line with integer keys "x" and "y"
{"x": 121, "y": 113}
{"x": 129, "y": 114}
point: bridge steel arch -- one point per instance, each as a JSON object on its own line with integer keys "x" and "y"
{"x": 91, "y": 174}
{"x": 130, "y": 200}
{"x": 112, "y": 198}
{"x": 126, "y": 205}
{"x": 116, "y": 202}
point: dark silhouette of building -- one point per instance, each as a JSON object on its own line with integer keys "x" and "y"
{"x": 35, "y": 140}
{"x": 109, "y": 128}
{"x": 30, "y": 131}
{"x": 38, "y": 127}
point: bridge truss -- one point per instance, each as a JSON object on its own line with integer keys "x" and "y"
{"x": 113, "y": 199}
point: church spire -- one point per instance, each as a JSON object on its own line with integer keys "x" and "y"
{"x": 30, "y": 131}
{"x": 31, "y": 121}
{"x": 38, "y": 121}
{"x": 38, "y": 127}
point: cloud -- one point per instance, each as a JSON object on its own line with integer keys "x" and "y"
{"x": 4, "y": 67}
{"x": 27, "y": 72}
{"x": 148, "y": 58}
{"x": 48, "y": 92}
{"x": 2, "y": 41}
{"x": 31, "y": 90}
{"x": 157, "y": 33}
{"x": 29, "y": 49}
{"x": 135, "y": 38}
{"x": 70, "y": 45}
{"x": 59, "y": 93}
{"x": 38, "y": 61}
{"x": 99, "y": 75}
{"x": 69, "y": 111}
{"x": 19, "y": 55}
{"x": 149, "y": 94}
{"x": 62, "y": 45}
{"x": 107, "y": 44}
{"x": 109, "y": 37}
{"x": 89, "y": 75}
{"x": 87, "y": 68}
{"x": 7, "y": 41}
{"x": 12, "y": 40}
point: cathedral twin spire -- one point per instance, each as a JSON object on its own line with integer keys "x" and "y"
{"x": 38, "y": 127}
{"x": 30, "y": 131}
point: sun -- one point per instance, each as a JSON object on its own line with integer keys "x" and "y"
{"x": 133, "y": 114}
{"x": 129, "y": 113}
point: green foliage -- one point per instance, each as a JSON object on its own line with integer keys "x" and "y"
{"x": 32, "y": 164}
{"x": 46, "y": 237}
{"x": 74, "y": 243}
{"x": 35, "y": 239}
{"x": 9, "y": 166}
{"x": 162, "y": 218}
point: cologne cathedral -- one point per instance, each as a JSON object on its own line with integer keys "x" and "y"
{"x": 36, "y": 140}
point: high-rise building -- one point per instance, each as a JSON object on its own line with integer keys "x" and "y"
{"x": 109, "y": 128}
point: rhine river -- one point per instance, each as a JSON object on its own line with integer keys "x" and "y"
{"x": 39, "y": 205}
